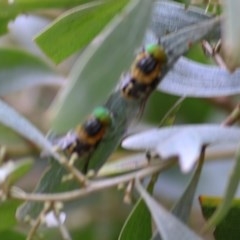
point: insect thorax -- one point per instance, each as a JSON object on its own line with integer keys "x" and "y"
{"x": 92, "y": 127}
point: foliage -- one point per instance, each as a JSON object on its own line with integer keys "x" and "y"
{"x": 93, "y": 43}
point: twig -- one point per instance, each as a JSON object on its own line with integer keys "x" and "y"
{"x": 62, "y": 228}
{"x": 224, "y": 103}
{"x": 93, "y": 186}
{"x": 214, "y": 54}
{"x": 38, "y": 221}
{"x": 72, "y": 170}
{"x": 128, "y": 192}
{"x": 233, "y": 117}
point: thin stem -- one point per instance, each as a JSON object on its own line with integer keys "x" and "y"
{"x": 72, "y": 170}
{"x": 216, "y": 56}
{"x": 62, "y": 228}
{"x": 38, "y": 221}
{"x": 93, "y": 186}
{"x": 233, "y": 117}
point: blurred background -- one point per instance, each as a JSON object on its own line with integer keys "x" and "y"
{"x": 101, "y": 215}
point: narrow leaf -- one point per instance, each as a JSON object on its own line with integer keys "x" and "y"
{"x": 94, "y": 75}
{"x": 168, "y": 226}
{"x": 183, "y": 206}
{"x": 85, "y": 21}
{"x": 191, "y": 79}
{"x": 10, "y": 9}
{"x": 171, "y": 142}
{"x": 170, "y": 16}
{"x": 177, "y": 43}
{"x": 7, "y": 215}
{"x": 139, "y": 216}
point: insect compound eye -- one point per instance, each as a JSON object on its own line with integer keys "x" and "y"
{"x": 157, "y": 52}
{"x": 92, "y": 126}
{"x": 103, "y": 115}
{"x": 147, "y": 64}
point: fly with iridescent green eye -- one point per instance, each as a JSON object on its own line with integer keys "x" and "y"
{"x": 144, "y": 73}
{"x": 87, "y": 135}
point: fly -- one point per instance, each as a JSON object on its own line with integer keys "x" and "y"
{"x": 144, "y": 73}
{"x": 87, "y": 135}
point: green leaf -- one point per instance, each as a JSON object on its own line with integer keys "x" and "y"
{"x": 76, "y": 28}
{"x": 39, "y": 4}
{"x": 4, "y": 23}
{"x": 7, "y": 214}
{"x": 167, "y": 224}
{"x": 228, "y": 229}
{"x": 19, "y": 70}
{"x": 9, "y": 10}
{"x": 47, "y": 184}
{"x": 139, "y": 216}
{"x": 100, "y": 65}
{"x": 10, "y": 235}
{"x": 10, "y": 137}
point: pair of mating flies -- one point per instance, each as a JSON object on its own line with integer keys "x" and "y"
{"x": 138, "y": 84}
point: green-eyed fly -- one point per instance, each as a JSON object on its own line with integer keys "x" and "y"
{"x": 87, "y": 135}
{"x": 144, "y": 73}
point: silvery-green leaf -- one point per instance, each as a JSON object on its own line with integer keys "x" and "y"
{"x": 99, "y": 67}
{"x": 172, "y": 16}
{"x": 194, "y": 79}
{"x": 172, "y": 142}
{"x": 167, "y": 224}
{"x": 177, "y": 43}
{"x": 231, "y": 34}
